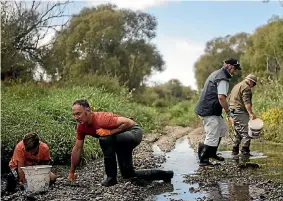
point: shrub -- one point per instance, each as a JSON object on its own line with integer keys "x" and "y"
{"x": 273, "y": 124}
{"x": 268, "y": 104}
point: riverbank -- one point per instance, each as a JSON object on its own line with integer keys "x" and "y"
{"x": 239, "y": 179}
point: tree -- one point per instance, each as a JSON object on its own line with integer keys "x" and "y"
{"x": 264, "y": 56}
{"x": 105, "y": 40}
{"x": 23, "y": 27}
{"x": 216, "y": 51}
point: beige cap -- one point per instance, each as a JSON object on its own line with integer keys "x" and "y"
{"x": 252, "y": 78}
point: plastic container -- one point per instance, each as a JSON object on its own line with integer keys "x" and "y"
{"x": 255, "y": 127}
{"x": 38, "y": 177}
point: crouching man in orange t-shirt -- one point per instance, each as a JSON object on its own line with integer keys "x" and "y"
{"x": 118, "y": 136}
{"x": 29, "y": 151}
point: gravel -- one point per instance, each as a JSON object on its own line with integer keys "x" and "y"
{"x": 258, "y": 188}
{"x": 88, "y": 187}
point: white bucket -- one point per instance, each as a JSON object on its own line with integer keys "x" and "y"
{"x": 38, "y": 177}
{"x": 255, "y": 127}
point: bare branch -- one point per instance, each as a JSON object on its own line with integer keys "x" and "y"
{"x": 32, "y": 5}
{"x": 26, "y": 25}
{"x": 42, "y": 20}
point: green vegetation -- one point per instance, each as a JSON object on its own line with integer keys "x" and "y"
{"x": 261, "y": 54}
{"x": 270, "y": 167}
{"x": 47, "y": 110}
{"x": 268, "y": 105}
{"x": 105, "y": 55}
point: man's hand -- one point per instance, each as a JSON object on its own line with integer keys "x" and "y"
{"x": 72, "y": 176}
{"x": 252, "y": 116}
{"x": 103, "y": 132}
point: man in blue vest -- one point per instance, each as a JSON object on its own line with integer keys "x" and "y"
{"x": 209, "y": 108}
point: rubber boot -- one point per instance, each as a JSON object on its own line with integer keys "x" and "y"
{"x": 200, "y": 148}
{"x": 125, "y": 161}
{"x": 214, "y": 155}
{"x": 108, "y": 146}
{"x": 214, "y": 152}
{"x": 111, "y": 172}
{"x": 246, "y": 151}
{"x": 204, "y": 156}
{"x": 235, "y": 150}
{"x": 151, "y": 175}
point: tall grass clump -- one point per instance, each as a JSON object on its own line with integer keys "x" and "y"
{"x": 268, "y": 105}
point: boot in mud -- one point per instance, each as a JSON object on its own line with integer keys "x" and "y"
{"x": 151, "y": 175}
{"x": 108, "y": 147}
{"x": 125, "y": 161}
{"x": 109, "y": 181}
{"x": 235, "y": 150}
{"x": 246, "y": 152}
{"x": 214, "y": 155}
{"x": 111, "y": 172}
{"x": 204, "y": 156}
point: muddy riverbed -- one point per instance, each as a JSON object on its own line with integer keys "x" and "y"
{"x": 232, "y": 180}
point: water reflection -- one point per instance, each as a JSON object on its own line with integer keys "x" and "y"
{"x": 228, "y": 191}
{"x": 182, "y": 159}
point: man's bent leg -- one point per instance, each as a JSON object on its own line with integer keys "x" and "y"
{"x": 107, "y": 145}
{"x": 126, "y": 142}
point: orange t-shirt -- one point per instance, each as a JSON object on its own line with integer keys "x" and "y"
{"x": 106, "y": 120}
{"x": 21, "y": 155}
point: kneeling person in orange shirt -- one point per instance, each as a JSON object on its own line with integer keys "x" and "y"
{"x": 118, "y": 136}
{"x": 29, "y": 151}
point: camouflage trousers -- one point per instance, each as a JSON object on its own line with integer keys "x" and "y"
{"x": 241, "y": 119}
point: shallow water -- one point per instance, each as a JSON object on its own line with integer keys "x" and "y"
{"x": 183, "y": 161}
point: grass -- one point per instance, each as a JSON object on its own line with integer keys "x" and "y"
{"x": 180, "y": 114}
{"x": 268, "y": 105}
{"x": 272, "y": 166}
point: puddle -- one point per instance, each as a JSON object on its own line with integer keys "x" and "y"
{"x": 225, "y": 191}
{"x": 183, "y": 160}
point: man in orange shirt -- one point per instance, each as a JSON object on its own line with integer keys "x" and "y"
{"x": 29, "y": 151}
{"x": 117, "y": 136}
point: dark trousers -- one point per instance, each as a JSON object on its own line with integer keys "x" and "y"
{"x": 122, "y": 145}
